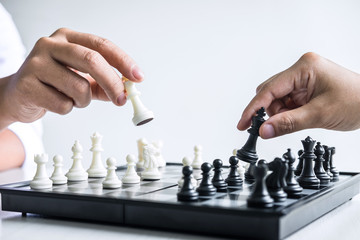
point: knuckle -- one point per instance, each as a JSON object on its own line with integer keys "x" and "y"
{"x": 287, "y": 124}
{"x": 83, "y": 93}
{"x": 102, "y": 43}
{"x": 92, "y": 58}
{"x": 43, "y": 42}
{"x": 310, "y": 57}
{"x": 61, "y": 31}
{"x": 64, "y": 107}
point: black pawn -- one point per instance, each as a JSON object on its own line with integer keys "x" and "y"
{"x": 248, "y": 152}
{"x": 307, "y": 178}
{"x": 292, "y": 187}
{"x": 326, "y": 163}
{"x": 260, "y": 197}
{"x": 274, "y": 180}
{"x": 318, "y": 168}
{"x": 333, "y": 169}
{"x": 206, "y": 188}
{"x": 234, "y": 180}
{"x": 300, "y": 165}
{"x": 218, "y": 180}
{"x": 187, "y": 193}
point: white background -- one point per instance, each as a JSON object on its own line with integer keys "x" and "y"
{"x": 202, "y": 61}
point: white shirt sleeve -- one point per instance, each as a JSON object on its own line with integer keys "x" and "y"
{"x": 12, "y": 55}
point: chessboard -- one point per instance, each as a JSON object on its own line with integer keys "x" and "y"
{"x": 154, "y": 204}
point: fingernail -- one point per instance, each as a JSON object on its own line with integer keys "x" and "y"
{"x": 268, "y": 131}
{"x": 121, "y": 100}
{"x": 137, "y": 73}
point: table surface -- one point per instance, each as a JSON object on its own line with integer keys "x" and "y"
{"x": 341, "y": 223}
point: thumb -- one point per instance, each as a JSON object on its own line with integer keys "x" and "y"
{"x": 288, "y": 122}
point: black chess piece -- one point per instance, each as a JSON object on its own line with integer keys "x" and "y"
{"x": 326, "y": 163}
{"x": 234, "y": 180}
{"x": 292, "y": 187}
{"x": 333, "y": 169}
{"x": 274, "y": 180}
{"x": 300, "y": 165}
{"x": 206, "y": 188}
{"x": 217, "y": 179}
{"x": 187, "y": 193}
{"x": 318, "y": 168}
{"x": 248, "y": 152}
{"x": 307, "y": 178}
{"x": 260, "y": 197}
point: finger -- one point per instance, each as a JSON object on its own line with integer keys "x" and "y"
{"x": 97, "y": 93}
{"x": 89, "y": 61}
{"x": 112, "y": 53}
{"x": 289, "y": 122}
{"x": 68, "y": 82}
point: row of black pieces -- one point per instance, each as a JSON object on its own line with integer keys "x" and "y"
{"x": 208, "y": 187}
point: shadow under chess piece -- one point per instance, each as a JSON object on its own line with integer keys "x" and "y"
{"x": 187, "y": 193}
{"x": 218, "y": 180}
{"x": 274, "y": 180}
{"x": 260, "y": 197}
{"x": 318, "y": 168}
{"x": 292, "y": 187}
{"x": 248, "y": 152}
{"x": 333, "y": 169}
{"x": 233, "y": 180}
{"x": 307, "y": 178}
{"x": 300, "y": 165}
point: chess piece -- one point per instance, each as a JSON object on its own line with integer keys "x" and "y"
{"x": 217, "y": 179}
{"x": 248, "y": 152}
{"x": 97, "y": 169}
{"x": 196, "y": 164}
{"x": 160, "y": 159}
{"x": 326, "y": 163}
{"x": 307, "y": 178}
{"x": 274, "y": 180}
{"x": 142, "y": 115}
{"x": 241, "y": 166}
{"x": 260, "y": 197}
{"x": 130, "y": 177}
{"x": 206, "y": 188}
{"x": 41, "y": 179}
{"x": 300, "y": 165}
{"x": 333, "y": 169}
{"x": 292, "y": 187}
{"x": 187, "y": 162}
{"x": 111, "y": 180}
{"x": 58, "y": 177}
{"x": 233, "y": 180}
{"x": 318, "y": 168}
{"x": 140, "y": 144}
{"x": 187, "y": 193}
{"x": 77, "y": 172}
{"x": 151, "y": 172}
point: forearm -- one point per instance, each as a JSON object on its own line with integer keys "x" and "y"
{"x": 12, "y": 152}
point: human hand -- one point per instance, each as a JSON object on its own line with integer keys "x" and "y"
{"x": 313, "y": 93}
{"x": 65, "y": 70}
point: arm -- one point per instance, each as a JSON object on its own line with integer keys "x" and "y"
{"x": 12, "y": 152}
{"x": 313, "y": 93}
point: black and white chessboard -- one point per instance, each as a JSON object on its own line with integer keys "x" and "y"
{"x": 154, "y": 204}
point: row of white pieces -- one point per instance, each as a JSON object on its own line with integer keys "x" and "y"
{"x": 42, "y": 181}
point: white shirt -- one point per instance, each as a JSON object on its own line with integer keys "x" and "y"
{"x": 12, "y": 55}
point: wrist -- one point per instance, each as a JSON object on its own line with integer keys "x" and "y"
{"x": 5, "y": 116}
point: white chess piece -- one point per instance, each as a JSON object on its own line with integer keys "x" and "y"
{"x": 242, "y": 165}
{"x": 141, "y": 143}
{"x": 77, "y": 172}
{"x": 131, "y": 176}
{"x": 58, "y": 177}
{"x": 186, "y": 161}
{"x": 97, "y": 169}
{"x": 198, "y": 157}
{"x": 142, "y": 115}
{"x": 160, "y": 159}
{"x": 151, "y": 171}
{"x": 41, "y": 179}
{"x": 111, "y": 180}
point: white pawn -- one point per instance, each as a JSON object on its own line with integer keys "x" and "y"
{"x": 187, "y": 162}
{"x": 198, "y": 157}
{"x": 151, "y": 171}
{"x": 241, "y": 168}
{"x": 160, "y": 159}
{"x": 58, "y": 176}
{"x": 141, "y": 143}
{"x": 142, "y": 115}
{"x": 131, "y": 176}
{"x": 111, "y": 180}
{"x": 77, "y": 172}
{"x": 97, "y": 169}
{"x": 41, "y": 179}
